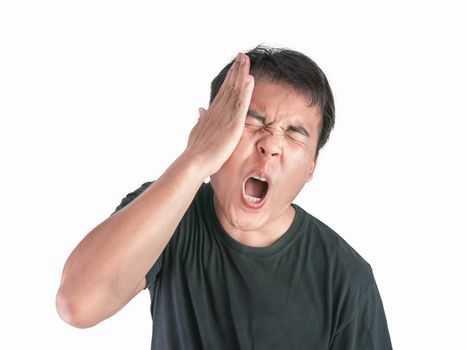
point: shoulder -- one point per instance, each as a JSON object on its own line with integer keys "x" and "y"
{"x": 201, "y": 195}
{"x": 334, "y": 254}
{"x": 348, "y": 277}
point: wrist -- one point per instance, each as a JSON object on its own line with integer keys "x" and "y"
{"x": 195, "y": 165}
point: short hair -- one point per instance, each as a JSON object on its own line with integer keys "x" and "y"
{"x": 295, "y": 69}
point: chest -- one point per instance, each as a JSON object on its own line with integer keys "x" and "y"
{"x": 274, "y": 299}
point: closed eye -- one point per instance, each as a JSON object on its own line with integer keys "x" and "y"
{"x": 295, "y": 136}
{"x": 254, "y": 119}
{"x": 299, "y": 130}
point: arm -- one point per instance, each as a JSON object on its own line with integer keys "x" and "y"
{"x": 108, "y": 267}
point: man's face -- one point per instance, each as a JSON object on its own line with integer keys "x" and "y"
{"x": 278, "y": 144}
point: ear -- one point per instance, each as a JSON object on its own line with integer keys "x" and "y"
{"x": 312, "y": 170}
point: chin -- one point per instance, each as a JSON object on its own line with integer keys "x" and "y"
{"x": 246, "y": 221}
{"x": 242, "y": 226}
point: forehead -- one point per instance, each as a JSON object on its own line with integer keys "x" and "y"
{"x": 280, "y": 102}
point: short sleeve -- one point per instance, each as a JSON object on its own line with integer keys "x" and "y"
{"x": 152, "y": 273}
{"x": 132, "y": 195}
{"x": 368, "y": 330}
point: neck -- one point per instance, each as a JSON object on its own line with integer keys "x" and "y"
{"x": 259, "y": 237}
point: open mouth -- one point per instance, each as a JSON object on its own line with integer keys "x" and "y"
{"x": 255, "y": 191}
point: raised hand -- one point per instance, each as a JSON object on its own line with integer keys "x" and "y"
{"x": 219, "y": 129}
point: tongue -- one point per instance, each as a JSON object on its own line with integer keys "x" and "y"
{"x": 254, "y": 188}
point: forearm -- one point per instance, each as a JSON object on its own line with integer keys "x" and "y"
{"x": 107, "y": 267}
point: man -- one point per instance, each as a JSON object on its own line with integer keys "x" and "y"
{"x": 233, "y": 264}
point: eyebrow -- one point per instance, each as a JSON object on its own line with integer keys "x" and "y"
{"x": 261, "y": 118}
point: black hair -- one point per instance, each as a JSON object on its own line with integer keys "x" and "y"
{"x": 295, "y": 69}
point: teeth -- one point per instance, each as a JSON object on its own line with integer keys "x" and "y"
{"x": 252, "y": 199}
{"x": 259, "y": 178}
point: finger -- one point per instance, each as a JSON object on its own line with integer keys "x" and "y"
{"x": 243, "y": 72}
{"x": 241, "y": 102}
{"x": 239, "y": 96}
{"x": 231, "y": 75}
{"x": 229, "y": 79}
{"x": 201, "y": 111}
{"x": 232, "y": 94}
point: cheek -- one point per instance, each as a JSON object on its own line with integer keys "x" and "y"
{"x": 233, "y": 165}
{"x": 244, "y": 148}
{"x": 299, "y": 168}
{"x": 247, "y": 138}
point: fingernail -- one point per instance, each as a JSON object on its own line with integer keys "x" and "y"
{"x": 240, "y": 58}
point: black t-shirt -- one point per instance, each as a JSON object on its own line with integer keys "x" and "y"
{"x": 308, "y": 290}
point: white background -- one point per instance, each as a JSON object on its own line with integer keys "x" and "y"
{"x": 97, "y": 97}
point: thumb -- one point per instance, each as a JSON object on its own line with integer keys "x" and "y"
{"x": 201, "y": 111}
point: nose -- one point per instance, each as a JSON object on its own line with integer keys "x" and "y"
{"x": 270, "y": 145}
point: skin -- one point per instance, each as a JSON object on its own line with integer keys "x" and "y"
{"x": 280, "y": 139}
{"x": 219, "y": 129}
{"x": 108, "y": 267}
